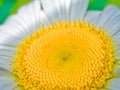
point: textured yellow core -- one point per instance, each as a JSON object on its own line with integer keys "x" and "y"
{"x": 65, "y": 56}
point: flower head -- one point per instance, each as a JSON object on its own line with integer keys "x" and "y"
{"x": 59, "y": 45}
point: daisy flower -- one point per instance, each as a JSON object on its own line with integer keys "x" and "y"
{"x": 59, "y": 45}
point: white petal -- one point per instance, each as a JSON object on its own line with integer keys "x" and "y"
{"x": 106, "y": 15}
{"x": 92, "y": 16}
{"x": 7, "y": 59}
{"x": 26, "y": 14}
{"x": 117, "y": 71}
{"x": 52, "y": 9}
{"x": 117, "y": 54}
{"x": 64, "y": 8}
{"x": 19, "y": 26}
{"x": 7, "y": 83}
{"x": 4, "y": 65}
{"x": 113, "y": 25}
{"x": 78, "y": 9}
{"x": 11, "y": 28}
{"x": 6, "y": 80}
{"x": 61, "y": 9}
{"x": 114, "y": 84}
{"x": 9, "y": 39}
{"x": 36, "y": 11}
{"x": 16, "y": 23}
{"x": 27, "y": 20}
{"x": 34, "y": 16}
{"x": 6, "y": 53}
{"x": 67, "y": 10}
{"x": 6, "y": 48}
{"x": 4, "y": 72}
{"x": 43, "y": 19}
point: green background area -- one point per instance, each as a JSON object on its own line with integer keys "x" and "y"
{"x": 9, "y": 7}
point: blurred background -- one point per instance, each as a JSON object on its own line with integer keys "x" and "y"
{"x": 9, "y": 7}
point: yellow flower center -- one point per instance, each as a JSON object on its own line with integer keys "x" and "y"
{"x": 64, "y": 56}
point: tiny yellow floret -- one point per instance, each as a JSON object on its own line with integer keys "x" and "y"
{"x": 65, "y": 56}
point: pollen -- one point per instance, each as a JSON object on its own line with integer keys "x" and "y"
{"x": 65, "y": 56}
